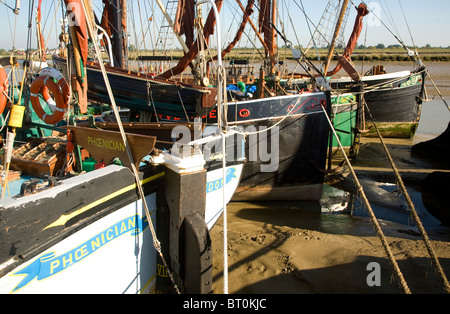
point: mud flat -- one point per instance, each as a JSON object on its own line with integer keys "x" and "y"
{"x": 295, "y": 249}
{"x": 302, "y": 248}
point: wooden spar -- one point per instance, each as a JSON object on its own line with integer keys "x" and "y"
{"x": 335, "y": 35}
{"x": 267, "y": 22}
{"x": 169, "y": 20}
{"x": 40, "y": 37}
{"x": 208, "y": 30}
{"x": 255, "y": 30}
{"x": 273, "y": 37}
{"x": 246, "y": 18}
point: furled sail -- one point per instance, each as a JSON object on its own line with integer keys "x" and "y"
{"x": 77, "y": 24}
{"x": 41, "y": 43}
{"x": 184, "y": 20}
{"x": 265, "y": 27}
{"x": 208, "y": 30}
{"x": 114, "y": 23}
{"x": 79, "y": 35}
{"x": 357, "y": 28}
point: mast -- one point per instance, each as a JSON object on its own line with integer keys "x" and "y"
{"x": 40, "y": 37}
{"x": 345, "y": 58}
{"x": 79, "y": 38}
{"x": 117, "y": 33}
{"x": 273, "y": 35}
{"x": 336, "y": 34}
{"x": 267, "y": 22}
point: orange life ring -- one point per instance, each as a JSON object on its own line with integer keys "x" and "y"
{"x": 42, "y": 85}
{"x": 3, "y": 89}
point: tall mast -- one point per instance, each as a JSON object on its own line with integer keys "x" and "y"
{"x": 335, "y": 36}
{"x": 273, "y": 36}
{"x": 117, "y": 33}
{"x": 267, "y": 22}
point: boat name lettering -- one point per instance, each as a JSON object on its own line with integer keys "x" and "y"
{"x": 106, "y": 143}
{"x": 312, "y": 103}
{"x": 49, "y": 264}
{"x": 217, "y": 184}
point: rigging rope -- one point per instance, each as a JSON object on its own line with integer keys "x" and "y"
{"x": 392, "y": 33}
{"x": 310, "y": 33}
{"x": 373, "y": 218}
{"x": 156, "y": 243}
{"x": 438, "y": 91}
{"x": 411, "y": 207}
{"x": 407, "y": 25}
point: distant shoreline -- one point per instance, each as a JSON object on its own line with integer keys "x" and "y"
{"x": 369, "y": 54}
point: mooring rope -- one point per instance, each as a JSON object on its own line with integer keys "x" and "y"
{"x": 411, "y": 207}
{"x": 373, "y": 218}
{"x": 156, "y": 243}
{"x": 437, "y": 90}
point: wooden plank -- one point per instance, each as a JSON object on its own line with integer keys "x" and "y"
{"x": 104, "y": 145}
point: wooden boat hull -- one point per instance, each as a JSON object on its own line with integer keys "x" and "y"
{"x": 394, "y": 100}
{"x": 212, "y": 153}
{"x": 89, "y": 233}
{"x": 214, "y": 193}
{"x": 346, "y": 122}
{"x": 395, "y": 104}
{"x": 144, "y": 93}
{"x": 286, "y": 161}
{"x": 77, "y": 235}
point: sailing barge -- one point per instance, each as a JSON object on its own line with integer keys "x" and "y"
{"x": 123, "y": 216}
{"x": 81, "y": 230}
{"x": 293, "y": 124}
{"x": 393, "y": 99}
{"x": 147, "y": 93}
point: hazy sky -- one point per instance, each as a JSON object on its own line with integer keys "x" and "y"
{"x": 429, "y": 21}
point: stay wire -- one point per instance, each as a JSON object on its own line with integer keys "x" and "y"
{"x": 390, "y": 31}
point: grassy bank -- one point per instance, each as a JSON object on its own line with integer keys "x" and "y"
{"x": 368, "y": 54}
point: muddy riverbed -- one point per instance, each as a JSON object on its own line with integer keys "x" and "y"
{"x": 305, "y": 248}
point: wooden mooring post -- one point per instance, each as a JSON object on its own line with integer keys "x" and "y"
{"x": 189, "y": 250}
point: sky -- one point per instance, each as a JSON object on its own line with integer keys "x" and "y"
{"x": 428, "y": 21}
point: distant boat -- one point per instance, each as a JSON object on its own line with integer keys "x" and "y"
{"x": 393, "y": 99}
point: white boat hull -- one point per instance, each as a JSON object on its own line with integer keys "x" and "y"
{"x": 112, "y": 255}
